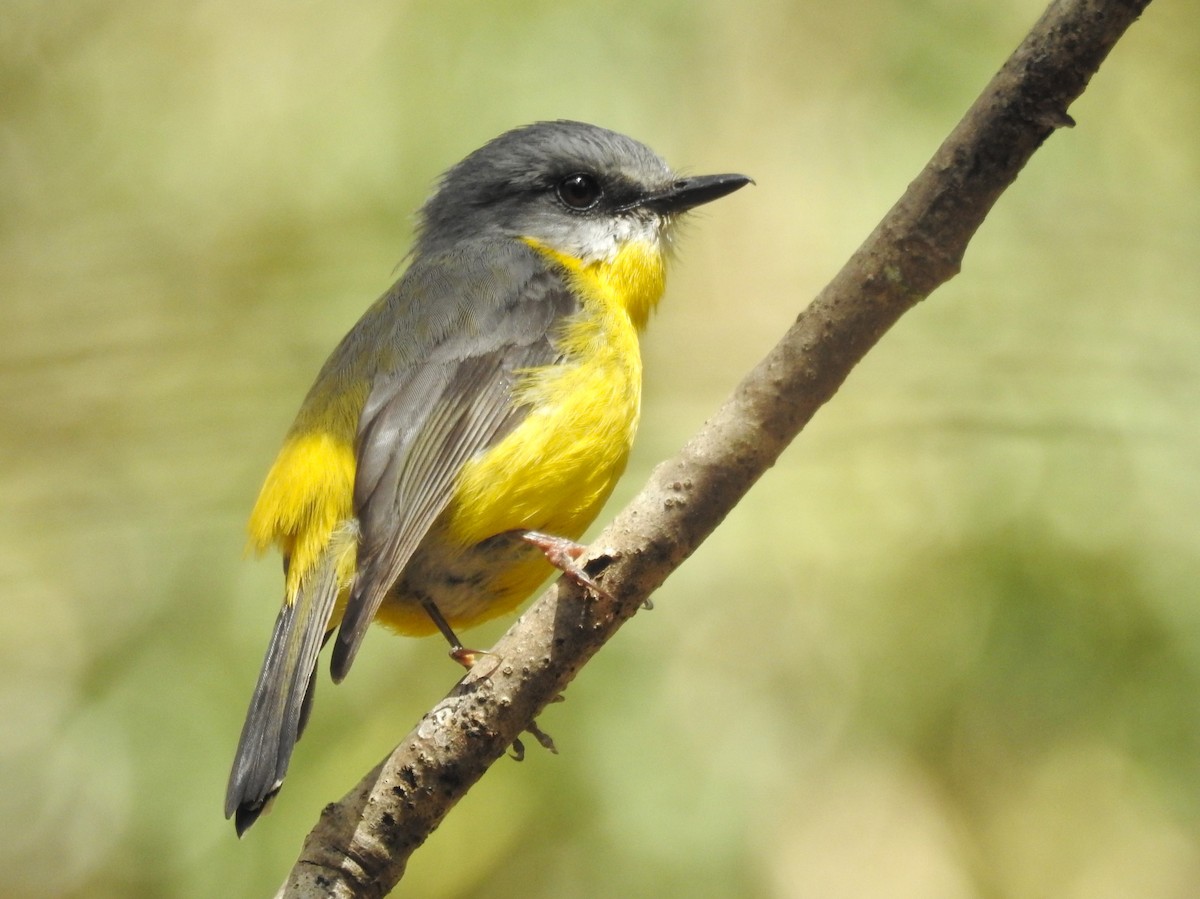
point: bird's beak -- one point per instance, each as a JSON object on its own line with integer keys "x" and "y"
{"x": 688, "y": 193}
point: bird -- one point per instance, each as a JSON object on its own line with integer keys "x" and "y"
{"x": 468, "y": 429}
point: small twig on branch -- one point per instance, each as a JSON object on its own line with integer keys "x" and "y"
{"x": 361, "y": 844}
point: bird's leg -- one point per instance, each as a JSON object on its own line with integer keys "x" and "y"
{"x": 564, "y": 555}
{"x": 458, "y": 652}
{"x": 467, "y": 658}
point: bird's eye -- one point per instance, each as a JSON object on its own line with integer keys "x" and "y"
{"x": 579, "y": 191}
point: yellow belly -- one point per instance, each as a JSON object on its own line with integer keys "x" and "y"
{"x": 553, "y": 473}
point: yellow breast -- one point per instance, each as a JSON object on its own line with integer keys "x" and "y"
{"x": 555, "y": 470}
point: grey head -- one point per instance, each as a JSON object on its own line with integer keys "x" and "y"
{"x": 577, "y": 188}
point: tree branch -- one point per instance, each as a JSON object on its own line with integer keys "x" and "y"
{"x": 361, "y": 844}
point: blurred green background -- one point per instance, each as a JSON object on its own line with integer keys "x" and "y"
{"x": 949, "y": 647}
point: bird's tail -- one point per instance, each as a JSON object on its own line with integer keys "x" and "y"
{"x": 283, "y": 696}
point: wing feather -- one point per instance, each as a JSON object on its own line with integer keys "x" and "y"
{"x": 423, "y": 422}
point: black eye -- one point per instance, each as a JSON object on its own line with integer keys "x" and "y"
{"x": 579, "y": 191}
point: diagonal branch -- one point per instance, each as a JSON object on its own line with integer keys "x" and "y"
{"x": 361, "y": 844}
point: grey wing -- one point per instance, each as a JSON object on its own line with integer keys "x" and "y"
{"x": 423, "y": 422}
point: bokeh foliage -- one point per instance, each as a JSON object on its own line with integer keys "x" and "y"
{"x": 950, "y": 647}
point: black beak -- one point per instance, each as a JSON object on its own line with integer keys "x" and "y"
{"x": 688, "y": 193}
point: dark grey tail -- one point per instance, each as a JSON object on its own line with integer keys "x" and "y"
{"x": 282, "y": 698}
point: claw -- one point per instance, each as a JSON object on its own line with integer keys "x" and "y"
{"x": 546, "y": 741}
{"x": 467, "y": 657}
{"x": 564, "y": 555}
